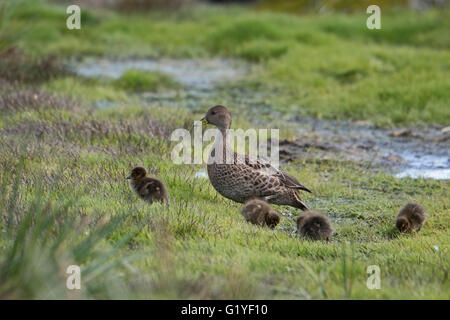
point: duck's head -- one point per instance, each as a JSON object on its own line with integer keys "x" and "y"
{"x": 137, "y": 173}
{"x": 402, "y": 224}
{"x": 219, "y": 116}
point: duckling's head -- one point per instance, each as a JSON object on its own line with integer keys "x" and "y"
{"x": 137, "y": 173}
{"x": 219, "y": 116}
{"x": 402, "y": 224}
{"x": 272, "y": 219}
{"x": 300, "y": 221}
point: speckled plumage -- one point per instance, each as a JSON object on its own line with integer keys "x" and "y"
{"x": 314, "y": 225}
{"x": 246, "y": 178}
{"x": 259, "y": 212}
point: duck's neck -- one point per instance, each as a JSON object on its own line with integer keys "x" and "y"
{"x": 220, "y": 151}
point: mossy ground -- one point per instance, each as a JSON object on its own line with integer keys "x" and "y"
{"x": 76, "y": 155}
{"x": 141, "y": 81}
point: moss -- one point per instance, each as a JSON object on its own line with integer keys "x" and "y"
{"x": 140, "y": 81}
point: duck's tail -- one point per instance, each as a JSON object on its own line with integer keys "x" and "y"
{"x": 298, "y": 203}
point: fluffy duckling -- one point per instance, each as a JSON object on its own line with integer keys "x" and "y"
{"x": 259, "y": 212}
{"x": 411, "y": 218}
{"x": 149, "y": 189}
{"x": 312, "y": 224}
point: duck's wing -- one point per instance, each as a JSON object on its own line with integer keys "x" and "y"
{"x": 143, "y": 191}
{"x": 291, "y": 182}
{"x": 265, "y": 168}
{"x": 153, "y": 186}
{"x": 147, "y": 187}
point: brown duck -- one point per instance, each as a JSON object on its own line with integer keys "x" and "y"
{"x": 149, "y": 189}
{"x": 258, "y": 212}
{"x": 241, "y": 178}
{"x": 411, "y": 218}
{"x": 314, "y": 225}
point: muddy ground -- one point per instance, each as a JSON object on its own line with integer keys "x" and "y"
{"x": 404, "y": 152}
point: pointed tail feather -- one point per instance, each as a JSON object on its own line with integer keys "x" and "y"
{"x": 298, "y": 203}
{"x": 300, "y": 187}
{"x": 293, "y": 183}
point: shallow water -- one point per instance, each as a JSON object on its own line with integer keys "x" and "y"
{"x": 423, "y": 154}
{"x": 438, "y": 174}
{"x": 425, "y": 166}
{"x": 192, "y": 73}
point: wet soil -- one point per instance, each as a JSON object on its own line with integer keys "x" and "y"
{"x": 404, "y": 152}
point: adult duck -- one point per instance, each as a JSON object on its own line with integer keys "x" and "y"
{"x": 240, "y": 177}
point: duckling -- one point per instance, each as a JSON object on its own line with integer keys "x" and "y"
{"x": 312, "y": 224}
{"x": 149, "y": 189}
{"x": 411, "y": 218}
{"x": 259, "y": 212}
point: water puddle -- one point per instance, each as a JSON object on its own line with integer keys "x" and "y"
{"x": 412, "y": 152}
{"x": 199, "y": 74}
{"x": 104, "y": 104}
{"x": 425, "y": 166}
{"x": 201, "y": 79}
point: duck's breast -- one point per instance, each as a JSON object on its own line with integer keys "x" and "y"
{"x": 229, "y": 182}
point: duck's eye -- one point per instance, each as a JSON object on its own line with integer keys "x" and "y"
{"x": 213, "y": 112}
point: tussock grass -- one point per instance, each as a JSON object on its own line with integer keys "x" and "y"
{"x": 328, "y": 66}
{"x": 42, "y": 238}
{"x": 15, "y": 98}
{"x": 200, "y": 246}
{"x": 64, "y": 198}
{"x": 17, "y": 66}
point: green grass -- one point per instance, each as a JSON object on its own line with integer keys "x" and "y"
{"x": 209, "y": 248}
{"x": 328, "y": 66}
{"x": 140, "y": 81}
{"x": 62, "y": 157}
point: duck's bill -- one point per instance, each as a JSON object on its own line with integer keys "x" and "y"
{"x": 129, "y": 177}
{"x": 202, "y": 121}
